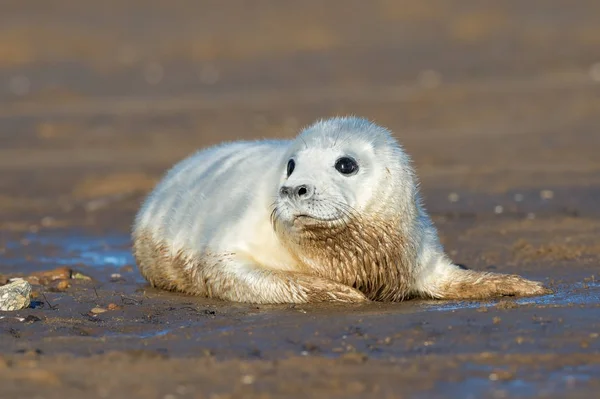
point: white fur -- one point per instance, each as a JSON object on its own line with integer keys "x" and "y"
{"x": 219, "y": 200}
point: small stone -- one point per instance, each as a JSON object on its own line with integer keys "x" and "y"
{"x": 248, "y": 379}
{"x": 31, "y": 319}
{"x": 63, "y": 285}
{"x": 498, "y": 209}
{"x": 81, "y": 276}
{"x": 518, "y": 197}
{"x": 47, "y": 276}
{"x": 531, "y": 216}
{"x": 501, "y": 375}
{"x": 496, "y": 320}
{"x": 98, "y": 310}
{"x": 519, "y": 340}
{"x": 546, "y": 194}
{"x": 113, "y": 306}
{"x": 15, "y": 295}
{"x": 453, "y": 197}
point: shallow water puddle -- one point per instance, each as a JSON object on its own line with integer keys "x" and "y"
{"x": 69, "y": 249}
{"x": 495, "y": 383}
{"x": 574, "y": 294}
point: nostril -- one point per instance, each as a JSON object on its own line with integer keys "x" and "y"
{"x": 302, "y": 191}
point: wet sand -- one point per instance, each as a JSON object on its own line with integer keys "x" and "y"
{"x": 497, "y": 103}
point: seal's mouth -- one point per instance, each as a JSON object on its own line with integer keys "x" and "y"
{"x": 310, "y": 218}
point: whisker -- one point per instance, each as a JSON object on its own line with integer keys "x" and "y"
{"x": 274, "y": 216}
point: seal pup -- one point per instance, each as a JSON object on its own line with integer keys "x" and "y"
{"x": 334, "y": 215}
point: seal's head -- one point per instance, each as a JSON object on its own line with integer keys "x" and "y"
{"x": 340, "y": 170}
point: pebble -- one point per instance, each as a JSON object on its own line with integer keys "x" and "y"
{"x": 248, "y": 379}
{"x": 546, "y": 194}
{"x": 15, "y": 295}
{"x": 519, "y": 197}
{"x": 81, "y": 276}
{"x": 498, "y": 209}
{"x": 453, "y": 197}
{"x": 63, "y": 285}
{"x": 47, "y": 276}
{"x": 98, "y": 310}
{"x": 113, "y": 306}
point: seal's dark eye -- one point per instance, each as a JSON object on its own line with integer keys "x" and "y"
{"x": 290, "y": 167}
{"x": 346, "y": 166}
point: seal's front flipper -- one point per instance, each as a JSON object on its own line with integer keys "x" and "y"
{"x": 242, "y": 281}
{"x": 453, "y": 282}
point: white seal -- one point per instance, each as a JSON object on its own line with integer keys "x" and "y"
{"x": 334, "y": 215}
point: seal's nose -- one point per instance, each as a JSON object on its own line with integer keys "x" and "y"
{"x": 301, "y": 192}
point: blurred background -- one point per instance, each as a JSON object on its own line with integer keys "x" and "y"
{"x": 497, "y": 102}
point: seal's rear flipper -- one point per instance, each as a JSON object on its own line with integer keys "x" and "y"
{"x": 449, "y": 281}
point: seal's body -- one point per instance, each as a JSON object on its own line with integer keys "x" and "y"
{"x": 334, "y": 215}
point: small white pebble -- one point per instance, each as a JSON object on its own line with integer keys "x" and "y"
{"x": 248, "y": 379}
{"x": 518, "y": 197}
{"x": 115, "y": 276}
{"x": 546, "y": 194}
{"x": 498, "y": 209}
{"x": 531, "y": 216}
{"x": 493, "y": 377}
{"x": 304, "y": 353}
{"x": 453, "y": 197}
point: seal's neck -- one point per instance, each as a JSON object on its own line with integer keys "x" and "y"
{"x": 374, "y": 255}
